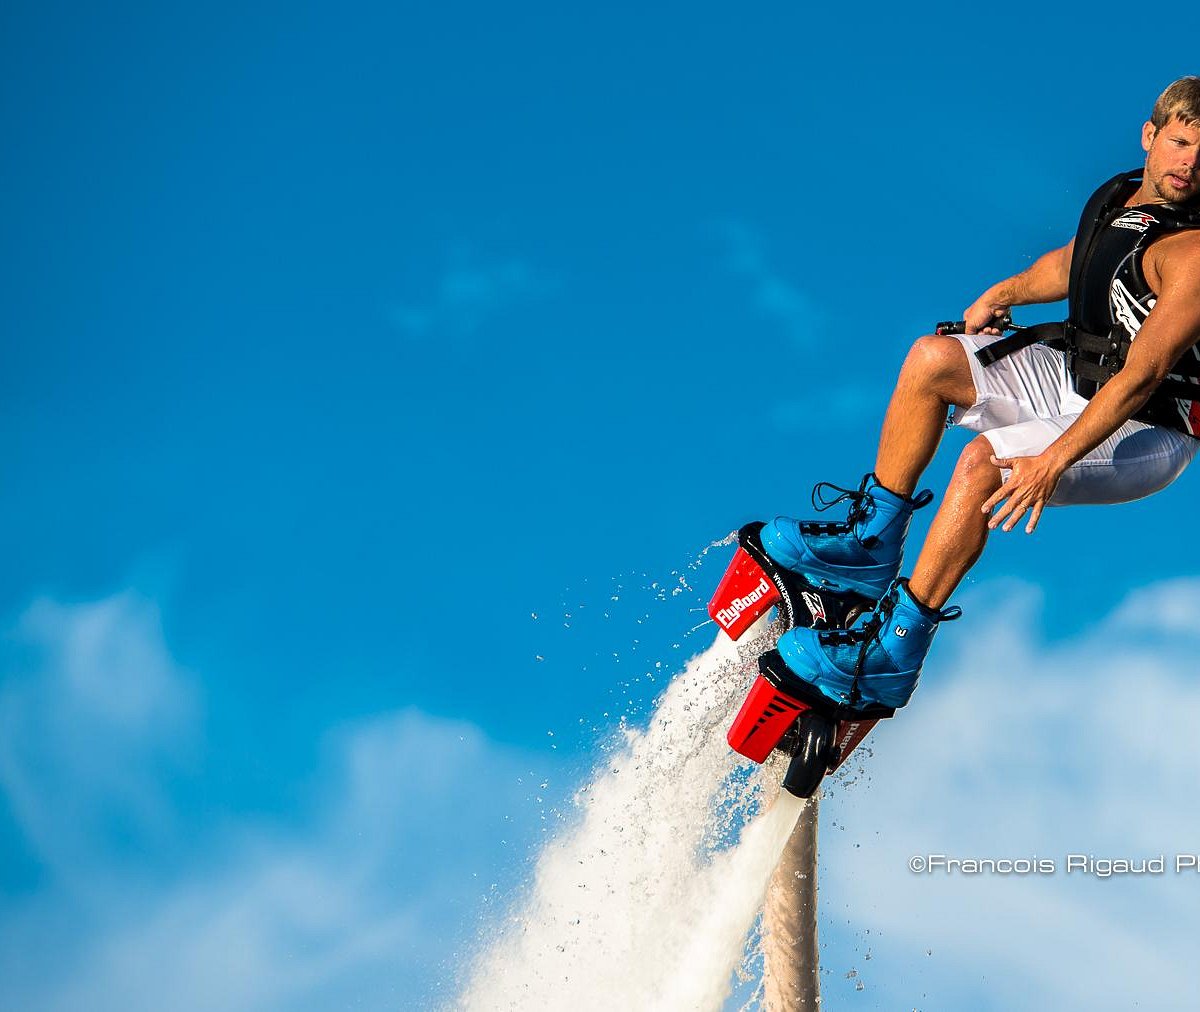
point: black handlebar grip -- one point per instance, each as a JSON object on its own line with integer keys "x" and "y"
{"x": 947, "y": 327}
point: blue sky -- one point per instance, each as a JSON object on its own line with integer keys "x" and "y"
{"x": 339, "y": 344}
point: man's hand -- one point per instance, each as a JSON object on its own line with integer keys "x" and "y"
{"x": 1030, "y": 486}
{"x": 985, "y": 311}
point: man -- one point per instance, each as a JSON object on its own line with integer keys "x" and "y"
{"x": 1088, "y": 415}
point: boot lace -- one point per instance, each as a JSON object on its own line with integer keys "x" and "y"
{"x": 867, "y": 632}
{"x": 861, "y": 507}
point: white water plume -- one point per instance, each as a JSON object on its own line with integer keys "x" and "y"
{"x": 649, "y": 898}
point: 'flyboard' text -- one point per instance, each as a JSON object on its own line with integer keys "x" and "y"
{"x": 727, "y": 616}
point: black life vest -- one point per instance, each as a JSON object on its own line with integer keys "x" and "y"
{"x": 1109, "y": 300}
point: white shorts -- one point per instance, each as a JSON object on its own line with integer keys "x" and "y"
{"x": 1026, "y": 401}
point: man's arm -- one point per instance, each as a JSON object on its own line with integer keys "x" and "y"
{"x": 1172, "y": 327}
{"x": 1045, "y": 280}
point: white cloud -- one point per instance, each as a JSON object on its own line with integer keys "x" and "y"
{"x": 87, "y": 735}
{"x": 773, "y": 296}
{"x": 355, "y": 903}
{"x": 1014, "y": 748}
{"x": 777, "y": 299}
{"x": 468, "y": 294}
{"x": 1170, "y": 608}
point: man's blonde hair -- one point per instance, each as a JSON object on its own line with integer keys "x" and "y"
{"x": 1181, "y": 99}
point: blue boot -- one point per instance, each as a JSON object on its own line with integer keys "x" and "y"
{"x": 861, "y": 554}
{"x": 876, "y": 661}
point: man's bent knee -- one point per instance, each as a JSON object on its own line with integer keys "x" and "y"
{"x": 940, "y": 364}
{"x": 975, "y": 468}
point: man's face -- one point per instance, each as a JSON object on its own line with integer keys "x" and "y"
{"x": 1172, "y": 155}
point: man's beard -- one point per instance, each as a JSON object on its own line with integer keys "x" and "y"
{"x": 1168, "y": 192}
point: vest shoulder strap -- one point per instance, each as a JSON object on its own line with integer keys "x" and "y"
{"x": 1099, "y": 206}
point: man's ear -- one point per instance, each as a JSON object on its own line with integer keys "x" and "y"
{"x": 1148, "y": 132}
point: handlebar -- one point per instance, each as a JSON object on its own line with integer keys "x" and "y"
{"x": 947, "y": 327}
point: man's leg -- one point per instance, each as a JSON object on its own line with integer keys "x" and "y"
{"x": 863, "y": 555}
{"x": 959, "y": 530}
{"x": 1136, "y": 461}
{"x": 934, "y": 377}
{"x": 884, "y": 667}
